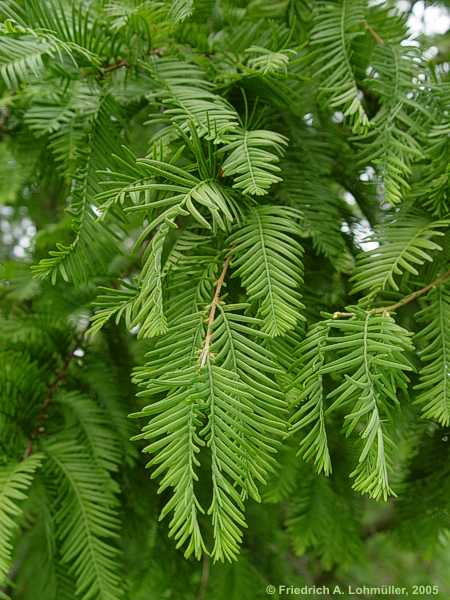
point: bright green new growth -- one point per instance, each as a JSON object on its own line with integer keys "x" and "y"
{"x": 242, "y": 242}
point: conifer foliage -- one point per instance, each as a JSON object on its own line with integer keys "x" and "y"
{"x": 242, "y": 241}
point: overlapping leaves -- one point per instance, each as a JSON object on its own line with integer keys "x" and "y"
{"x": 227, "y": 403}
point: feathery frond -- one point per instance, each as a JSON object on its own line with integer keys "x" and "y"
{"x": 15, "y": 481}
{"x": 266, "y": 61}
{"x": 434, "y": 343}
{"x": 96, "y": 435}
{"x": 189, "y": 98}
{"x": 312, "y": 520}
{"x": 182, "y": 191}
{"x": 370, "y": 353}
{"x": 174, "y": 428}
{"x": 312, "y": 400}
{"x": 268, "y": 260}
{"x": 87, "y": 521}
{"x": 252, "y": 160}
{"x": 392, "y": 142}
{"x": 181, "y": 9}
{"x": 335, "y": 28}
{"x": 148, "y": 306}
{"x": 113, "y": 303}
{"x": 405, "y": 243}
{"x": 23, "y": 58}
{"x": 237, "y": 347}
{"x": 230, "y": 392}
{"x": 308, "y": 186}
{"x": 77, "y": 261}
{"x": 189, "y": 191}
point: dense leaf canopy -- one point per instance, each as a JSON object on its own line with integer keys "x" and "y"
{"x": 230, "y": 221}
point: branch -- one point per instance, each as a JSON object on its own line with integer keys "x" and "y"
{"x": 204, "y": 578}
{"x": 406, "y": 300}
{"x": 376, "y": 36}
{"x": 212, "y": 313}
{"x": 103, "y": 71}
{"x": 60, "y": 378}
{"x": 117, "y": 65}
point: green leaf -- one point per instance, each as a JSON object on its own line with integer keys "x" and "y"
{"x": 190, "y": 100}
{"x": 227, "y": 402}
{"x": 312, "y": 400}
{"x": 405, "y": 243}
{"x": 181, "y": 9}
{"x": 96, "y": 436}
{"x": 148, "y": 310}
{"x": 113, "y": 303}
{"x": 23, "y": 58}
{"x": 336, "y": 26}
{"x": 369, "y": 351}
{"x": 228, "y": 416}
{"x": 313, "y": 524}
{"x": 393, "y": 143}
{"x": 252, "y": 160}
{"x": 183, "y": 194}
{"x": 269, "y": 263}
{"x": 173, "y": 431}
{"x": 87, "y": 521}
{"x": 15, "y": 481}
{"x": 238, "y": 347}
{"x": 434, "y": 343}
{"x": 266, "y": 61}
{"x": 93, "y": 245}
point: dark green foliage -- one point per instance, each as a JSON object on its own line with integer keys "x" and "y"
{"x": 228, "y": 220}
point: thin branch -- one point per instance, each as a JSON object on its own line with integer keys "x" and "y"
{"x": 117, "y": 65}
{"x": 342, "y": 315}
{"x": 58, "y": 381}
{"x": 376, "y": 36}
{"x": 212, "y": 313}
{"x": 438, "y": 281}
{"x": 406, "y": 300}
{"x": 204, "y": 578}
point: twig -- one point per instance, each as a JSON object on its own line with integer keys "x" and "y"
{"x": 441, "y": 279}
{"x": 406, "y": 300}
{"x": 212, "y": 313}
{"x": 342, "y": 315}
{"x": 376, "y": 36}
{"x": 115, "y": 66}
{"x": 51, "y": 391}
{"x": 204, "y": 579}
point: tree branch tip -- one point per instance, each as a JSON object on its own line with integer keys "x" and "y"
{"x": 376, "y": 36}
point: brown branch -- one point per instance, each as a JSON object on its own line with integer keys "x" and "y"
{"x": 406, "y": 300}
{"x": 376, "y": 36}
{"x": 204, "y": 578}
{"x": 212, "y": 313}
{"x": 441, "y": 279}
{"x": 115, "y": 66}
{"x": 60, "y": 378}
